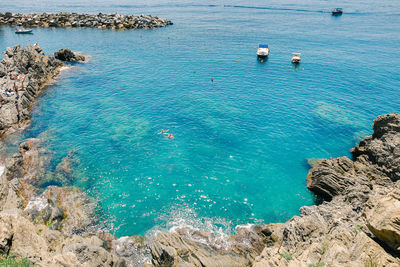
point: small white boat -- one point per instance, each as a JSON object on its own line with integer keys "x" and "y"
{"x": 262, "y": 51}
{"x": 22, "y": 31}
{"x": 296, "y": 58}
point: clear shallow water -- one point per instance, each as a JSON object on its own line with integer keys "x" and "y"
{"x": 241, "y": 142}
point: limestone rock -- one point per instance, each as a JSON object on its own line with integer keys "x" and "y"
{"x": 383, "y": 217}
{"x": 90, "y": 255}
{"x": 188, "y": 247}
{"x": 45, "y": 247}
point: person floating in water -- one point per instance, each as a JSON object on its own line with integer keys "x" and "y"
{"x": 163, "y": 131}
{"x": 212, "y": 79}
{"x": 171, "y": 136}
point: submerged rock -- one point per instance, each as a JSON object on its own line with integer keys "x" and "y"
{"x": 66, "y": 54}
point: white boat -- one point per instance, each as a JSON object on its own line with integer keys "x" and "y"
{"x": 22, "y": 31}
{"x": 296, "y": 58}
{"x": 262, "y": 51}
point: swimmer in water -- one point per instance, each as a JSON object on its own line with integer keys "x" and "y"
{"x": 163, "y": 131}
{"x": 170, "y": 136}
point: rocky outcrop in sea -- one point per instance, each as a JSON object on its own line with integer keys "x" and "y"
{"x": 46, "y": 220}
{"x": 23, "y": 73}
{"x": 67, "y": 55}
{"x": 101, "y": 21}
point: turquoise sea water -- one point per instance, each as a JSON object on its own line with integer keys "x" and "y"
{"x": 241, "y": 142}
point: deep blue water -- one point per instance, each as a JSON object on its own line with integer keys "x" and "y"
{"x": 241, "y": 142}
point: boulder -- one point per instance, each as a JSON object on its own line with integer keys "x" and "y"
{"x": 382, "y": 216}
{"x": 66, "y": 54}
{"x": 331, "y": 177}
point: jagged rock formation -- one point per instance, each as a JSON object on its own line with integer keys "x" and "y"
{"x": 66, "y": 54}
{"x": 359, "y": 223}
{"x": 23, "y": 72}
{"x": 190, "y": 247}
{"x": 101, "y": 21}
{"x": 46, "y": 247}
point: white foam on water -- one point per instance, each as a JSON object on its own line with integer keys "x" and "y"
{"x": 214, "y": 232}
{"x": 65, "y": 68}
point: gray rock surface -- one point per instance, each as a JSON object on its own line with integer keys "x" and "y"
{"x": 382, "y": 149}
{"x": 23, "y": 73}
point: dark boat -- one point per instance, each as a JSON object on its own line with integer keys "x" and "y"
{"x": 337, "y": 12}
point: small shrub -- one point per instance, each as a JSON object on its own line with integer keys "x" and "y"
{"x": 13, "y": 261}
{"x": 286, "y": 256}
{"x": 323, "y": 250}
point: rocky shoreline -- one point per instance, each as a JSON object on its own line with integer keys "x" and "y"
{"x": 100, "y": 21}
{"x": 23, "y": 73}
{"x": 51, "y": 223}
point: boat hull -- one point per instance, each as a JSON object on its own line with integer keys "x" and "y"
{"x": 262, "y": 53}
{"x": 23, "y": 32}
{"x": 262, "y": 56}
{"x": 296, "y": 60}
